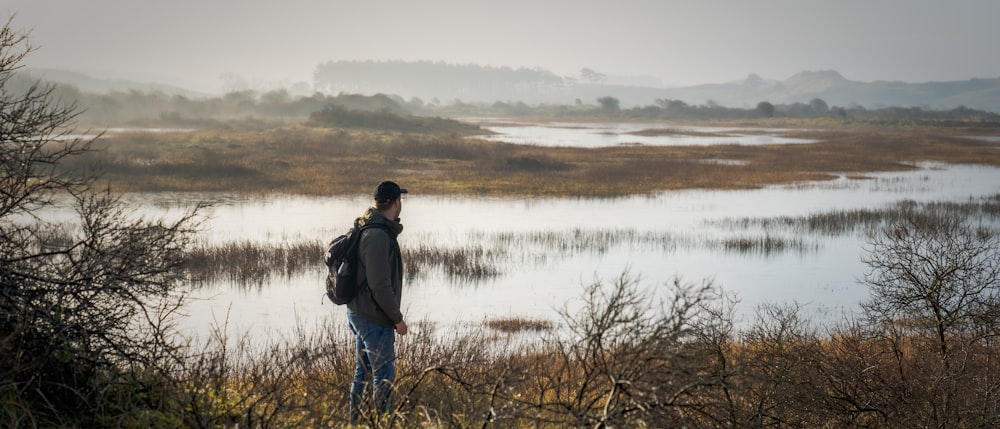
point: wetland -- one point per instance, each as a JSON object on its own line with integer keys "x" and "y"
{"x": 497, "y": 230}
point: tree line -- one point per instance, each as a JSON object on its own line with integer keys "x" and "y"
{"x": 156, "y": 107}
{"x": 426, "y": 77}
{"x": 667, "y": 109}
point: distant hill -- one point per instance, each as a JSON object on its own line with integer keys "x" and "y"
{"x": 830, "y": 86}
{"x": 87, "y": 83}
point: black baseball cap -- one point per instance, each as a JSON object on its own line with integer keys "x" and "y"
{"x": 388, "y": 191}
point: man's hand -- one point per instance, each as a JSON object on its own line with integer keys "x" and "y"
{"x": 401, "y": 328}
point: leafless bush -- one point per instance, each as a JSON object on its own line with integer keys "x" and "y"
{"x": 773, "y": 381}
{"x": 631, "y": 358}
{"x": 935, "y": 273}
{"x": 87, "y": 305}
{"x": 926, "y": 347}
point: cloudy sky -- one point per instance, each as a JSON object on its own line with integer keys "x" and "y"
{"x": 680, "y": 42}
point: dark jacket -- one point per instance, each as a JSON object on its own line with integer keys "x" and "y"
{"x": 380, "y": 271}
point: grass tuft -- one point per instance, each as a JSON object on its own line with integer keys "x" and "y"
{"x": 513, "y": 325}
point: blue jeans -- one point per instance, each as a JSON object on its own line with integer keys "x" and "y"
{"x": 375, "y": 360}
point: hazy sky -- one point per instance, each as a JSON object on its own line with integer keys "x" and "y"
{"x": 680, "y": 42}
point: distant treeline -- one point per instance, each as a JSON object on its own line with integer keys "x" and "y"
{"x": 482, "y": 84}
{"x": 336, "y": 116}
{"x": 816, "y": 108}
{"x": 118, "y": 107}
{"x": 125, "y": 107}
{"x": 447, "y": 81}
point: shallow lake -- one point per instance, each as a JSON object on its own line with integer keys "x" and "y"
{"x": 617, "y": 134}
{"x": 544, "y": 271}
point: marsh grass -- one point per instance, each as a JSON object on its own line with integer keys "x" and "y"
{"x": 325, "y": 161}
{"x": 863, "y": 221}
{"x": 577, "y": 240}
{"x": 487, "y": 255}
{"x": 518, "y": 324}
{"x": 765, "y": 245}
{"x": 465, "y": 264}
{"x": 654, "y": 132}
{"x": 251, "y": 263}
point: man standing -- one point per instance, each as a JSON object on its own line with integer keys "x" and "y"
{"x": 375, "y": 315}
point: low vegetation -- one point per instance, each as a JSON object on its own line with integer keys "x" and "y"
{"x": 334, "y": 116}
{"x": 326, "y": 161}
{"x": 518, "y": 324}
{"x": 672, "y": 355}
{"x": 639, "y": 355}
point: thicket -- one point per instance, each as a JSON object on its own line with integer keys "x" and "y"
{"x": 86, "y": 304}
{"x": 334, "y": 116}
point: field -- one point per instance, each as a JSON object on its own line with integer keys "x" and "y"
{"x": 326, "y": 161}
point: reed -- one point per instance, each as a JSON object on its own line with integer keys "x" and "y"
{"x": 765, "y": 245}
{"x": 251, "y": 263}
{"x": 469, "y": 263}
{"x": 486, "y": 254}
{"x": 518, "y": 324}
{"x": 857, "y": 221}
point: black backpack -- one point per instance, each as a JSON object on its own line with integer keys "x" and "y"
{"x": 341, "y": 260}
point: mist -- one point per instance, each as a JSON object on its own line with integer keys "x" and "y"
{"x": 214, "y": 47}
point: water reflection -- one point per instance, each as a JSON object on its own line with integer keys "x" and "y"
{"x": 538, "y": 276}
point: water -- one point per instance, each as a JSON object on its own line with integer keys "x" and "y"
{"x": 616, "y": 134}
{"x": 538, "y": 280}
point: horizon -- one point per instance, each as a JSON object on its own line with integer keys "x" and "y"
{"x": 116, "y": 77}
{"x": 466, "y": 83}
{"x": 205, "y": 47}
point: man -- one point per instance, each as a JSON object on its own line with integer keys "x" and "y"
{"x": 375, "y": 315}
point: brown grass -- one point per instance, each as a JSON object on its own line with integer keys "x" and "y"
{"x": 313, "y": 161}
{"x": 654, "y": 132}
{"x": 620, "y": 367}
